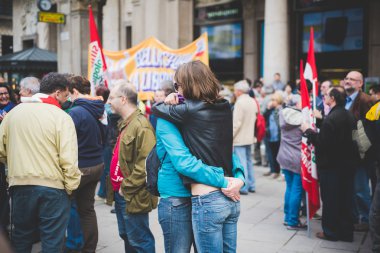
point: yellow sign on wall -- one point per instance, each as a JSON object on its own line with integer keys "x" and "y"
{"x": 149, "y": 63}
{"x": 51, "y": 17}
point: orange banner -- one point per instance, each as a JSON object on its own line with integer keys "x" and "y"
{"x": 149, "y": 63}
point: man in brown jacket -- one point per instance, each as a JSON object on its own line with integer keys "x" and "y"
{"x": 136, "y": 140}
{"x": 358, "y": 103}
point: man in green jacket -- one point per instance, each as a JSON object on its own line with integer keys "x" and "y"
{"x": 136, "y": 140}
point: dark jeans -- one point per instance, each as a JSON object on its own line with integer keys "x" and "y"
{"x": 268, "y": 153}
{"x": 257, "y": 152}
{"x": 361, "y": 195}
{"x": 274, "y": 148}
{"x": 136, "y": 228}
{"x": 4, "y": 199}
{"x": 336, "y": 191}
{"x": 120, "y": 206}
{"x": 374, "y": 218}
{"x": 39, "y": 208}
{"x": 74, "y": 239}
{"x": 84, "y": 197}
{"x": 107, "y": 156}
{"x": 174, "y": 215}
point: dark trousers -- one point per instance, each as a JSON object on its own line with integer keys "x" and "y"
{"x": 84, "y": 197}
{"x": 107, "y": 156}
{"x": 4, "y": 199}
{"x": 257, "y": 152}
{"x": 274, "y": 148}
{"x": 374, "y": 218}
{"x": 39, "y": 209}
{"x": 336, "y": 191}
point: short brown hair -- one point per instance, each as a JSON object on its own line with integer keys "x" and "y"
{"x": 198, "y": 82}
{"x": 80, "y": 83}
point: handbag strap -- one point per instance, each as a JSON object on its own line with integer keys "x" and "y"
{"x": 258, "y": 106}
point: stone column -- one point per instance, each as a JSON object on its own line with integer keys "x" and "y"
{"x": 185, "y": 18}
{"x": 276, "y": 41}
{"x": 73, "y": 37}
{"x": 170, "y": 21}
{"x": 374, "y": 39}
{"x": 250, "y": 40}
{"x": 111, "y": 25}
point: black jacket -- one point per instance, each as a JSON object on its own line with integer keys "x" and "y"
{"x": 334, "y": 147}
{"x": 206, "y": 130}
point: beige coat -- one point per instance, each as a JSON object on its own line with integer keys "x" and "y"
{"x": 39, "y": 143}
{"x": 244, "y": 118}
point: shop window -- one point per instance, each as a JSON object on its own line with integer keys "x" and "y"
{"x": 339, "y": 30}
{"x": 225, "y": 41}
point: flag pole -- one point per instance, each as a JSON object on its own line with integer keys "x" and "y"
{"x": 314, "y": 103}
{"x": 307, "y": 215}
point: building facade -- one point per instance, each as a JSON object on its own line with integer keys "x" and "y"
{"x": 256, "y": 38}
{"x": 247, "y": 38}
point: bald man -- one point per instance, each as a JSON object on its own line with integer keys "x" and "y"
{"x": 358, "y": 103}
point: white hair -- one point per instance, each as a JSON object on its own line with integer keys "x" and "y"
{"x": 242, "y": 86}
{"x": 31, "y": 83}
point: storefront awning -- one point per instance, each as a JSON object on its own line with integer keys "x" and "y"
{"x": 32, "y": 59}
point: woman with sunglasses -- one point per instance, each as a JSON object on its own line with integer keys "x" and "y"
{"x": 205, "y": 121}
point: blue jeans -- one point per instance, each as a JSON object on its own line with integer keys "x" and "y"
{"x": 174, "y": 215}
{"x": 74, "y": 239}
{"x": 362, "y": 198}
{"x": 215, "y": 220}
{"x": 245, "y": 156}
{"x": 133, "y": 228}
{"x": 107, "y": 156}
{"x": 42, "y": 209}
{"x": 293, "y": 196}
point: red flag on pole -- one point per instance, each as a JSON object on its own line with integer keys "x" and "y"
{"x": 308, "y": 166}
{"x": 96, "y": 63}
{"x": 311, "y": 68}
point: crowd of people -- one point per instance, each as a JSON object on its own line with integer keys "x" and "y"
{"x": 58, "y": 142}
{"x": 347, "y": 151}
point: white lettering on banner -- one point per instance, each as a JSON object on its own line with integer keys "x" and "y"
{"x": 154, "y": 58}
{"x": 149, "y": 80}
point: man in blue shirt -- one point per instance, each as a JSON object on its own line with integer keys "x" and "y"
{"x": 358, "y": 103}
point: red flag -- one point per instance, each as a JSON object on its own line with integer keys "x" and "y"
{"x": 308, "y": 166}
{"x": 311, "y": 68}
{"x": 96, "y": 63}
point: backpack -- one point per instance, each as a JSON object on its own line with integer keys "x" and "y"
{"x": 153, "y": 165}
{"x": 260, "y": 124}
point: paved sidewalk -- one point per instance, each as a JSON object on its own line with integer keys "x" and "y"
{"x": 260, "y": 226}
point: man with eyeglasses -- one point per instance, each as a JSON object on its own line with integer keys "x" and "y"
{"x": 358, "y": 103}
{"x": 133, "y": 202}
